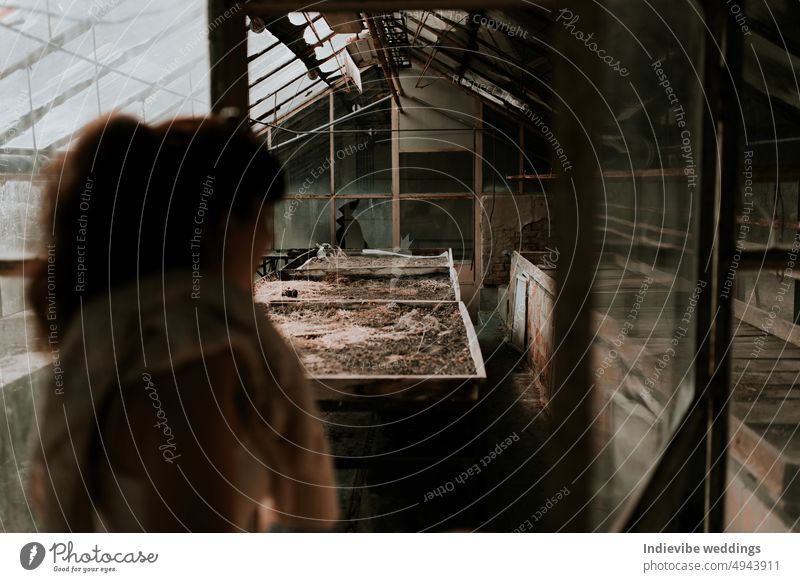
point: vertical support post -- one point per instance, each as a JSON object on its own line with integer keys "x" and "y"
{"x": 395, "y": 176}
{"x": 521, "y": 161}
{"x": 332, "y": 177}
{"x": 728, "y": 187}
{"x": 96, "y": 72}
{"x": 191, "y": 93}
{"x": 796, "y": 304}
{"x": 227, "y": 42}
{"x": 49, "y": 24}
{"x": 478, "y": 204}
{"x": 30, "y": 105}
{"x": 577, "y": 78}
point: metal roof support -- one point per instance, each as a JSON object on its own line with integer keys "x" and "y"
{"x": 289, "y": 34}
{"x": 488, "y": 64}
{"x": 286, "y": 64}
{"x": 329, "y": 124}
{"x": 472, "y": 42}
{"x": 505, "y": 56}
{"x": 391, "y": 79}
{"x": 448, "y": 75}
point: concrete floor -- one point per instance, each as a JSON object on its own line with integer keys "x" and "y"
{"x": 410, "y": 457}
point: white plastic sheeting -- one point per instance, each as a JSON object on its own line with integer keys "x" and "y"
{"x": 145, "y": 58}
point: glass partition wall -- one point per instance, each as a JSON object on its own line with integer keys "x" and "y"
{"x": 692, "y": 307}
{"x": 631, "y": 103}
{"x": 647, "y": 204}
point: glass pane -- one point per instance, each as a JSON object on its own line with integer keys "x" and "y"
{"x": 646, "y": 286}
{"x": 436, "y": 172}
{"x": 501, "y": 154}
{"x": 122, "y": 59}
{"x": 537, "y": 160}
{"x": 20, "y": 230}
{"x": 302, "y": 224}
{"x": 305, "y": 157}
{"x": 435, "y": 224}
{"x": 364, "y": 223}
{"x": 767, "y": 206}
{"x": 761, "y": 494}
{"x": 362, "y": 143}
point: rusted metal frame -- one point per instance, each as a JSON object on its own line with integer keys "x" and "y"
{"x": 299, "y": 109}
{"x": 319, "y": 130}
{"x": 439, "y": 196}
{"x": 271, "y": 7}
{"x": 277, "y": 106}
{"x": 274, "y": 96}
{"x": 484, "y": 44}
{"x": 391, "y": 78}
{"x": 306, "y": 55}
{"x": 506, "y": 57}
{"x": 395, "y": 153}
{"x": 511, "y": 111}
{"x": 227, "y": 44}
{"x": 332, "y": 174}
{"x": 796, "y": 298}
{"x": 472, "y": 42}
{"x": 477, "y": 145}
{"x": 277, "y": 43}
{"x": 321, "y": 43}
{"x": 275, "y": 71}
{"x": 490, "y": 66}
{"x": 30, "y": 110}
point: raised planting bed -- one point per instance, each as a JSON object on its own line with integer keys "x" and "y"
{"x": 340, "y": 286}
{"x": 375, "y": 262}
{"x": 410, "y": 350}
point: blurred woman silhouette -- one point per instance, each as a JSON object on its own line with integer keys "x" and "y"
{"x": 175, "y": 405}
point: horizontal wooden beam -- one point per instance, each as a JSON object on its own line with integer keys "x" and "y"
{"x": 272, "y": 7}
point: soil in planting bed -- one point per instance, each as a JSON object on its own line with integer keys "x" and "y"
{"x": 376, "y": 339}
{"x": 367, "y": 261}
{"x": 337, "y": 286}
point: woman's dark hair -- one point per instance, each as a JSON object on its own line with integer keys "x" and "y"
{"x": 130, "y": 199}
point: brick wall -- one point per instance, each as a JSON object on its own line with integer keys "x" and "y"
{"x": 518, "y": 223}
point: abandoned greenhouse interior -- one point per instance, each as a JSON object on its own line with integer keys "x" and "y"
{"x": 514, "y": 266}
